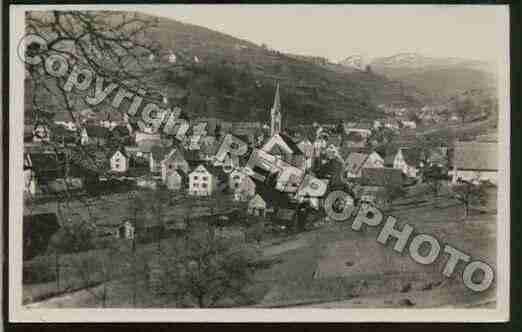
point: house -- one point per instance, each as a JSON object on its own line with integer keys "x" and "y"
{"x": 409, "y": 160}
{"x": 246, "y": 189}
{"x": 147, "y": 181}
{"x": 126, "y": 231}
{"x": 364, "y": 129}
{"x": 355, "y": 162}
{"x": 331, "y": 171}
{"x": 156, "y": 156}
{"x": 284, "y": 148}
{"x": 29, "y": 175}
{"x": 391, "y": 123}
{"x": 94, "y": 135}
{"x": 408, "y": 124}
{"x": 307, "y": 148}
{"x": 41, "y": 133}
{"x": 475, "y": 161}
{"x": 202, "y": 182}
{"x": 65, "y": 120}
{"x": 257, "y": 206}
{"x": 382, "y": 176}
{"x": 119, "y": 161}
{"x": 319, "y": 145}
{"x": 143, "y": 136}
{"x": 175, "y": 179}
{"x": 49, "y": 172}
{"x": 174, "y": 160}
{"x": 235, "y": 179}
{"x": 354, "y": 140}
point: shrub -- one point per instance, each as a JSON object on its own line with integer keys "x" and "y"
{"x": 39, "y": 271}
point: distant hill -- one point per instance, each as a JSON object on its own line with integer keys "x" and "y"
{"x": 235, "y": 79}
{"x": 437, "y": 78}
{"x": 218, "y": 75}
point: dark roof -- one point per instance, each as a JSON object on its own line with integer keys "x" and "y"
{"x": 291, "y": 144}
{"x": 331, "y": 170}
{"x": 381, "y": 176}
{"x": 475, "y": 156}
{"x": 270, "y": 195}
{"x": 412, "y": 156}
{"x": 96, "y": 131}
{"x": 159, "y": 152}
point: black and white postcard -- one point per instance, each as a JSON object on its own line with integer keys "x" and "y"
{"x": 274, "y": 163}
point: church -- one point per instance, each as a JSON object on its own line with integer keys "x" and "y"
{"x": 279, "y": 144}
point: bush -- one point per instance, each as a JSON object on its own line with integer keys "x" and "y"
{"x": 39, "y": 271}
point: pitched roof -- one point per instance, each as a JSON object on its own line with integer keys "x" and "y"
{"x": 291, "y": 144}
{"x": 355, "y": 161}
{"x": 257, "y": 201}
{"x": 381, "y": 176}
{"x": 122, "y": 151}
{"x": 159, "y": 152}
{"x": 475, "y": 156}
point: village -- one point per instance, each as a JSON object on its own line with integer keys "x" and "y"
{"x": 382, "y": 162}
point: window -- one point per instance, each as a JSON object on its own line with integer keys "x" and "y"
{"x": 117, "y": 160}
{"x": 204, "y": 185}
{"x": 195, "y": 185}
{"x": 195, "y": 177}
{"x": 205, "y": 178}
{"x": 236, "y": 177}
{"x": 170, "y": 166}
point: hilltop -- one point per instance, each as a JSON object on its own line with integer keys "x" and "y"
{"x": 437, "y": 78}
{"x": 235, "y": 79}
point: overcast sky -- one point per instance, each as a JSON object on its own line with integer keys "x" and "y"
{"x": 338, "y": 31}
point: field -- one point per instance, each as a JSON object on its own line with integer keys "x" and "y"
{"x": 331, "y": 266}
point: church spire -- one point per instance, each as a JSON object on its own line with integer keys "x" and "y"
{"x": 275, "y": 114}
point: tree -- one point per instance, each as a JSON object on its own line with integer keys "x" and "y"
{"x": 464, "y": 109}
{"x": 469, "y": 193}
{"x": 434, "y": 176}
{"x": 208, "y": 269}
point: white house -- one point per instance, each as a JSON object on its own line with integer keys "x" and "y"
{"x": 363, "y": 129}
{"x": 201, "y": 182}
{"x": 474, "y": 161}
{"x": 126, "y": 231}
{"x": 409, "y": 160}
{"x": 147, "y": 182}
{"x": 41, "y": 133}
{"x": 173, "y": 161}
{"x": 173, "y": 180}
{"x": 172, "y": 58}
{"x": 235, "y": 178}
{"x": 119, "y": 162}
{"x": 355, "y": 162}
{"x": 307, "y": 148}
{"x": 409, "y": 124}
{"x": 257, "y": 206}
{"x": 246, "y": 190}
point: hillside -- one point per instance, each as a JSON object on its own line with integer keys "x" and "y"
{"x": 215, "y": 74}
{"x": 235, "y": 79}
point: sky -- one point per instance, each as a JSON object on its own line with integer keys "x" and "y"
{"x": 337, "y": 31}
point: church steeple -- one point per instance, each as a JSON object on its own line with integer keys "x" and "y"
{"x": 275, "y": 114}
